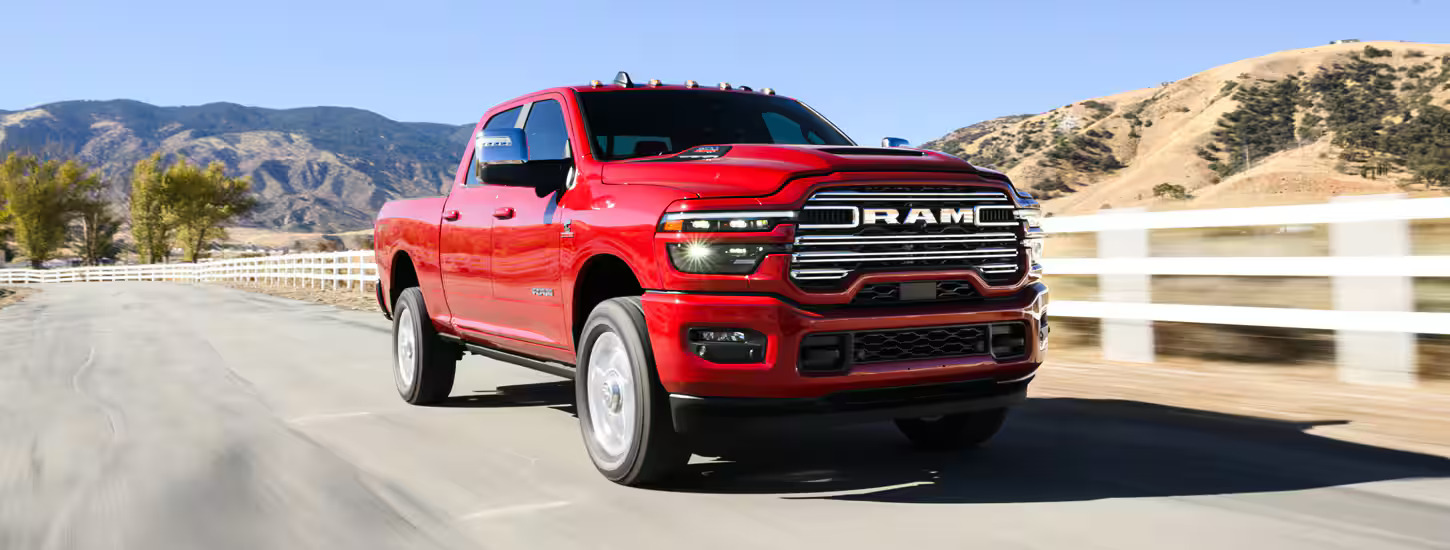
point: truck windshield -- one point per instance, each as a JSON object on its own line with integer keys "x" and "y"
{"x": 641, "y": 123}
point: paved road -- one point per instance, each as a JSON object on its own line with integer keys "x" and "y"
{"x": 157, "y": 416}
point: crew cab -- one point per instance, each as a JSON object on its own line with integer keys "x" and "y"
{"x": 705, "y": 260}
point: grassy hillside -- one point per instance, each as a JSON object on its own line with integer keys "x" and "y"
{"x": 1295, "y": 126}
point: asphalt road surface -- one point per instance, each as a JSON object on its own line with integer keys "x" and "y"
{"x": 157, "y": 416}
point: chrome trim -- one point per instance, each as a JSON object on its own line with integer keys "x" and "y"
{"x": 998, "y": 268}
{"x": 818, "y": 274}
{"x": 816, "y": 257}
{"x": 818, "y": 240}
{"x": 726, "y": 215}
{"x": 977, "y": 216}
{"x": 855, "y": 218}
{"x": 906, "y": 194}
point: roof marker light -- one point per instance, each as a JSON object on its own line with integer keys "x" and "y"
{"x": 724, "y": 85}
{"x": 654, "y": 82}
{"x": 769, "y": 91}
{"x": 691, "y": 84}
{"x": 594, "y": 84}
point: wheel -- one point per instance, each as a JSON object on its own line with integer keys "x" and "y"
{"x": 953, "y": 431}
{"x": 623, "y": 409}
{"x": 423, "y": 364}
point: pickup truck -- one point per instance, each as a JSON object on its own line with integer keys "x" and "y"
{"x": 703, "y": 260}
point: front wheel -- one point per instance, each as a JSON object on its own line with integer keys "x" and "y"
{"x": 623, "y": 409}
{"x": 423, "y": 364}
{"x": 953, "y": 431}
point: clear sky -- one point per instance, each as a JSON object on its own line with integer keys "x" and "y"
{"x": 906, "y": 68}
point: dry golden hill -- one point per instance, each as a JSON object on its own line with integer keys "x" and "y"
{"x": 1291, "y": 127}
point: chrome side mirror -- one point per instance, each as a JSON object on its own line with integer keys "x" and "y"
{"x": 894, "y": 142}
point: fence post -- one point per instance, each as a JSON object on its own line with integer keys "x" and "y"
{"x": 1364, "y": 357}
{"x": 1125, "y": 339}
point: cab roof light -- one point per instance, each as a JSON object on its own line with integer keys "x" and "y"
{"x": 622, "y": 80}
{"x": 691, "y": 84}
{"x": 654, "y": 82}
{"x": 725, "y": 86}
{"x": 595, "y": 84}
{"x": 769, "y": 91}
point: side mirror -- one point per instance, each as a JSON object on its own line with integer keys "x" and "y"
{"x": 500, "y": 146}
{"x": 894, "y": 142}
{"x": 503, "y": 159}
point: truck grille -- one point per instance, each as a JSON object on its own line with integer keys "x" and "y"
{"x": 894, "y": 228}
{"x": 923, "y": 343}
{"x": 893, "y": 293}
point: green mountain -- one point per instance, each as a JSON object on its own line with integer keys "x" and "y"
{"x": 314, "y": 169}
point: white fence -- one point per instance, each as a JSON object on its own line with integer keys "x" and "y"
{"x": 1371, "y": 267}
{"x": 353, "y": 270}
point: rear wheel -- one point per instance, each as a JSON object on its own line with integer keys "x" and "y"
{"x": 623, "y": 409}
{"x": 953, "y": 431}
{"x": 423, "y": 364}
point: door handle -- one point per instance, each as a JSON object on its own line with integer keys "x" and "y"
{"x": 503, "y": 212}
{"x": 450, "y": 215}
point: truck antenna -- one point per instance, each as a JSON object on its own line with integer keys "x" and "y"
{"x": 622, "y": 79}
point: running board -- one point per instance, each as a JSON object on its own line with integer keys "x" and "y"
{"x": 548, "y": 367}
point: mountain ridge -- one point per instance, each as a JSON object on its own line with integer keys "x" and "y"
{"x": 323, "y": 168}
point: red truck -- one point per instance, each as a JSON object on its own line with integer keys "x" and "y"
{"x": 702, "y": 260}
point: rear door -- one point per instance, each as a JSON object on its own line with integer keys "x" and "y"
{"x": 528, "y": 303}
{"x": 465, "y": 249}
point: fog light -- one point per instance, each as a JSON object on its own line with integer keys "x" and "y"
{"x": 1008, "y": 340}
{"x": 727, "y": 345}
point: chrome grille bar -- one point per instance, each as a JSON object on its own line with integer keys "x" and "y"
{"x": 817, "y": 257}
{"x": 826, "y": 240}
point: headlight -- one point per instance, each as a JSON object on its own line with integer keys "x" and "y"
{"x": 720, "y": 258}
{"x": 723, "y": 222}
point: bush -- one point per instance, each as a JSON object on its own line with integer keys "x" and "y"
{"x": 1414, "y": 53}
{"x": 1172, "y": 191}
{"x": 1373, "y": 52}
{"x": 1184, "y": 109}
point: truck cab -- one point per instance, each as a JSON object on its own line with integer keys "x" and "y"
{"x": 703, "y": 260}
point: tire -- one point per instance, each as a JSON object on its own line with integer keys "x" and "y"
{"x": 953, "y": 431}
{"x": 623, "y": 410}
{"x": 423, "y": 363}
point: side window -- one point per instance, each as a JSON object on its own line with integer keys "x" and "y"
{"x": 506, "y": 119}
{"x": 545, "y": 133}
{"x": 473, "y": 170}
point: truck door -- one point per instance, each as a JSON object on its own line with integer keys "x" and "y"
{"x": 527, "y": 300}
{"x": 464, "y": 246}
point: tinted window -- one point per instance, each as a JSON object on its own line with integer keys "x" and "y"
{"x": 545, "y": 133}
{"x": 506, "y": 119}
{"x": 634, "y": 123}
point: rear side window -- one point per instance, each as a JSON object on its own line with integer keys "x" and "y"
{"x": 545, "y": 132}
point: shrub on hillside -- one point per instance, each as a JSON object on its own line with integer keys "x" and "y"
{"x": 1172, "y": 191}
{"x": 1373, "y": 52}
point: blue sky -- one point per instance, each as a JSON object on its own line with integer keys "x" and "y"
{"x": 907, "y": 68}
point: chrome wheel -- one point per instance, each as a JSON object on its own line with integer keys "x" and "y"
{"x": 407, "y": 346}
{"x": 610, "y": 387}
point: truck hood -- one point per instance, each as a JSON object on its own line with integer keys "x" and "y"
{"x": 761, "y": 170}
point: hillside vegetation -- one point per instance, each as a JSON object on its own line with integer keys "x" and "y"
{"x": 313, "y": 169}
{"x": 1296, "y": 126}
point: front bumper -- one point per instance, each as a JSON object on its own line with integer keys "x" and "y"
{"x": 714, "y": 415}
{"x": 671, "y": 315}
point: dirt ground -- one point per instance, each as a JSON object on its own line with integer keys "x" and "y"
{"x": 354, "y": 299}
{"x": 10, "y": 295}
{"x": 1415, "y": 420}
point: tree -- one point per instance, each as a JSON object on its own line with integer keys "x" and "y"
{"x": 200, "y": 201}
{"x": 98, "y": 228}
{"x": 151, "y": 224}
{"x": 40, "y": 199}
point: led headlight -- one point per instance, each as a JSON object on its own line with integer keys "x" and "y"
{"x": 723, "y": 222}
{"x": 720, "y": 258}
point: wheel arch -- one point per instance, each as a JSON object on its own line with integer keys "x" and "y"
{"x": 600, "y": 277}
